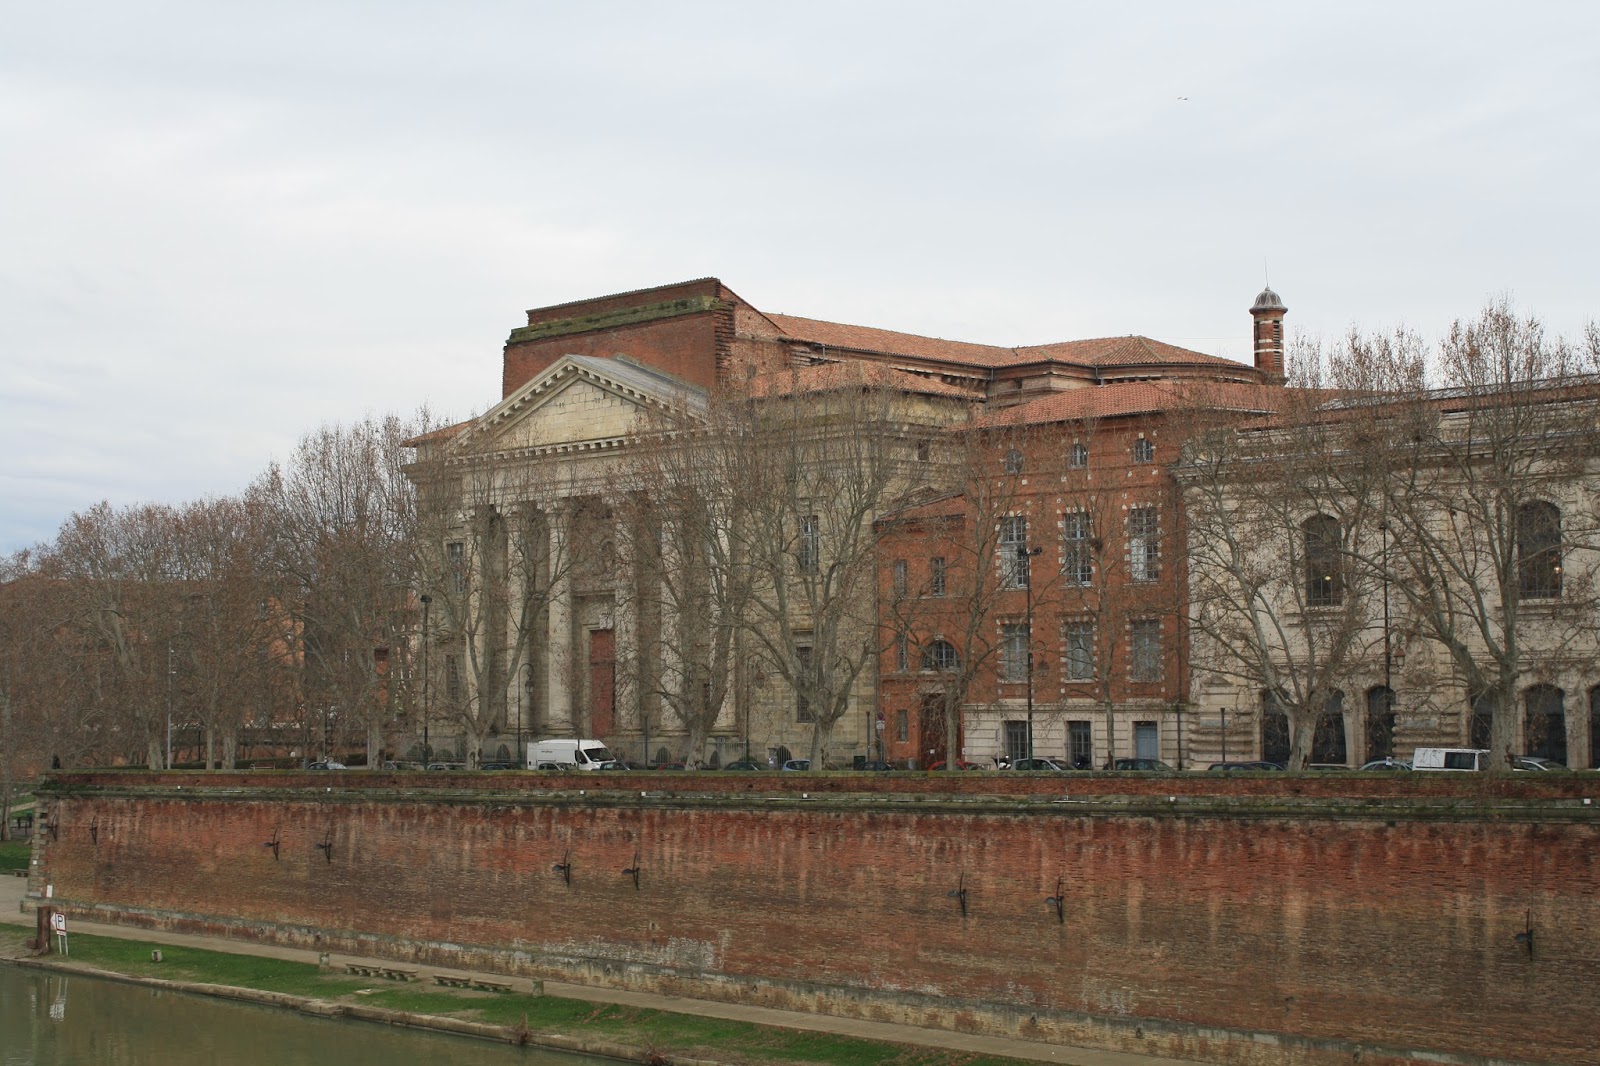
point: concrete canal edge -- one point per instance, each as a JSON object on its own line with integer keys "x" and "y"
{"x": 322, "y": 1008}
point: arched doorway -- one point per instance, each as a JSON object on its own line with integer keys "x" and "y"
{"x": 1545, "y": 725}
{"x": 1594, "y": 727}
{"x": 1380, "y": 722}
{"x": 932, "y": 744}
{"x": 1274, "y": 730}
{"x": 1328, "y": 744}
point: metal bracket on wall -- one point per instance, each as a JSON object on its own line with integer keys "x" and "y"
{"x": 326, "y": 846}
{"x": 94, "y": 831}
{"x": 1058, "y": 903}
{"x": 633, "y": 870}
{"x": 274, "y": 842}
{"x": 564, "y": 867}
{"x": 959, "y": 893}
{"x": 1525, "y": 938}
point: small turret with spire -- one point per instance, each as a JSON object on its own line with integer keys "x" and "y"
{"x": 1268, "y": 312}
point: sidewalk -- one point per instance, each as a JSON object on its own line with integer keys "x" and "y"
{"x": 12, "y": 890}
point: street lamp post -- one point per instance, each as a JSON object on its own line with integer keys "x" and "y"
{"x": 427, "y": 753}
{"x": 1025, "y": 572}
{"x": 171, "y": 670}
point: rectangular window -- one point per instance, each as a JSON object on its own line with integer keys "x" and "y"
{"x": 902, "y": 726}
{"x": 1080, "y": 745}
{"x": 936, "y": 576}
{"x": 902, "y": 652}
{"x": 1016, "y": 740}
{"x": 1080, "y": 651}
{"x": 809, "y": 553}
{"x": 899, "y": 579}
{"x": 1014, "y": 551}
{"x": 1014, "y": 651}
{"x": 1144, "y": 650}
{"x": 455, "y": 558}
{"x": 802, "y": 705}
{"x": 1144, "y": 544}
{"x": 1077, "y": 555}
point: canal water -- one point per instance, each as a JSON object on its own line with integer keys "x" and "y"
{"x": 51, "y": 1019}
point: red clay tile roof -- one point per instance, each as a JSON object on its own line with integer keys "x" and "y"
{"x": 1099, "y": 352}
{"x": 442, "y": 433}
{"x": 847, "y": 375}
{"x": 888, "y": 342}
{"x": 1136, "y": 398}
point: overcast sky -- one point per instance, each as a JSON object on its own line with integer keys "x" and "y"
{"x": 224, "y": 224}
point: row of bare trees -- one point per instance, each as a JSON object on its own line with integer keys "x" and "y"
{"x": 1404, "y": 496}
{"x": 269, "y": 621}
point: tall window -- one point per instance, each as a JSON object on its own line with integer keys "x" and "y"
{"x": 936, "y": 576}
{"x": 1328, "y": 744}
{"x": 809, "y": 554}
{"x": 1480, "y": 724}
{"x": 1144, "y": 450}
{"x": 1594, "y": 727}
{"x": 1078, "y": 456}
{"x": 1080, "y": 745}
{"x": 1016, "y": 738}
{"x": 1014, "y": 652}
{"x": 1275, "y": 746}
{"x": 1539, "y": 550}
{"x": 1080, "y": 651}
{"x": 1144, "y": 650}
{"x": 1014, "y": 551}
{"x": 899, "y": 579}
{"x": 941, "y": 656}
{"x": 1323, "y": 541}
{"x": 1077, "y": 556}
{"x": 802, "y": 705}
{"x": 455, "y": 558}
{"x": 1013, "y": 462}
{"x": 452, "y": 678}
{"x": 1144, "y": 544}
{"x": 902, "y": 726}
{"x": 902, "y": 652}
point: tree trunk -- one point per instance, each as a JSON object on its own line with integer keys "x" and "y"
{"x": 230, "y": 748}
{"x": 374, "y": 743}
{"x": 153, "y": 752}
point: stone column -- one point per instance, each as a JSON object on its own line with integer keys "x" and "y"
{"x": 560, "y": 648}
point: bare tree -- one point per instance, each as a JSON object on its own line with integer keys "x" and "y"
{"x": 346, "y": 528}
{"x": 1488, "y": 493}
{"x": 1281, "y": 515}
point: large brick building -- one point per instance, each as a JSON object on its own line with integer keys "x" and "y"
{"x": 1082, "y": 440}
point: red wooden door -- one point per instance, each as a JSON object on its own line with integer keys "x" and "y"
{"x": 603, "y": 682}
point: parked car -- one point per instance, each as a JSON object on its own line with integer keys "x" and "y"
{"x": 1385, "y": 764}
{"x": 447, "y": 766}
{"x": 1038, "y": 762}
{"x": 1139, "y": 764}
{"x": 797, "y": 764}
{"x": 677, "y": 765}
{"x": 326, "y": 764}
{"x": 873, "y": 764}
{"x": 497, "y": 766}
{"x": 745, "y": 764}
{"x": 958, "y": 764}
{"x": 1450, "y": 759}
{"x": 1535, "y": 762}
{"x": 1258, "y": 764}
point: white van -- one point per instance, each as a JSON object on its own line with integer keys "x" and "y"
{"x": 1450, "y": 759}
{"x": 569, "y": 754}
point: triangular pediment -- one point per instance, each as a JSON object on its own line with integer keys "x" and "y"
{"x": 583, "y": 401}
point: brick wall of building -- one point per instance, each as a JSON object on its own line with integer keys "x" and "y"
{"x": 1233, "y": 920}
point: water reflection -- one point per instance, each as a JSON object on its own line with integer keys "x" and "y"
{"x": 49, "y": 1019}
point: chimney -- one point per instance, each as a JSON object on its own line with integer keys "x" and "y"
{"x": 1268, "y": 312}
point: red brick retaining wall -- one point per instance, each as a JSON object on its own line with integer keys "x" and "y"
{"x": 1291, "y": 919}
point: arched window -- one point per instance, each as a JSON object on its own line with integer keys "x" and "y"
{"x": 1539, "y": 550}
{"x": 941, "y": 656}
{"x": 1380, "y": 722}
{"x": 1328, "y": 745}
{"x": 1324, "y": 580}
{"x": 1013, "y": 462}
{"x": 1078, "y": 456}
{"x": 1546, "y": 723}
